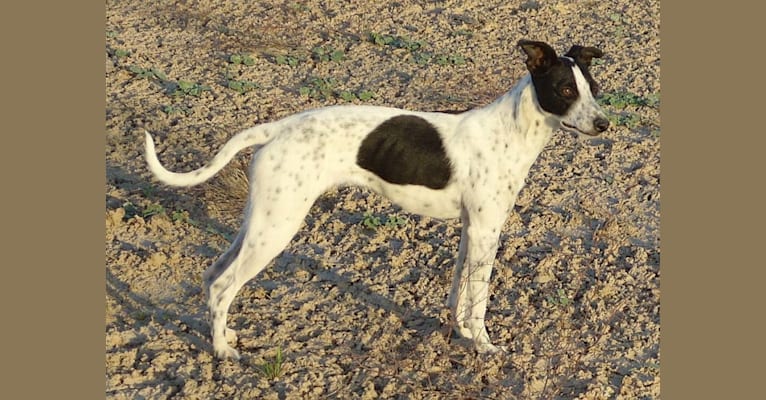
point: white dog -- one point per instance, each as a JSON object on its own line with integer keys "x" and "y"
{"x": 470, "y": 165}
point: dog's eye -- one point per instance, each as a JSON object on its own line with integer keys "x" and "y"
{"x": 567, "y": 91}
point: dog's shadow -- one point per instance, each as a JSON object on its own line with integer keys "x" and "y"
{"x": 318, "y": 277}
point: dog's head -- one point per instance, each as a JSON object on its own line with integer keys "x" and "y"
{"x": 565, "y": 88}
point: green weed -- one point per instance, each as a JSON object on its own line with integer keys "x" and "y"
{"x": 373, "y": 222}
{"x": 394, "y": 221}
{"x": 298, "y": 7}
{"x": 560, "y": 299}
{"x": 120, "y": 53}
{"x": 422, "y": 57}
{"x": 417, "y": 49}
{"x": 244, "y": 59}
{"x": 175, "y": 109}
{"x": 185, "y": 88}
{"x": 623, "y": 100}
{"x": 463, "y": 32}
{"x": 324, "y": 89}
{"x": 241, "y": 86}
{"x": 320, "y": 53}
{"x": 627, "y": 119}
{"x": 365, "y": 95}
{"x": 319, "y": 88}
{"x": 172, "y": 88}
{"x": 180, "y": 216}
{"x": 152, "y": 209}
{"x": 454, "y": 59}
{"x": 147, "y": 73}
{"x": 348, "y": 96}
{"x": 273, "y": 369}
{"x": 289, "y": 60}
{"x": 132, "y": 210}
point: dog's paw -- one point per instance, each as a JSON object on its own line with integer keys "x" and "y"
{"x": 230, "y": 335}
{"x": 226, "y": 352}
{"x": 489, "y": 348}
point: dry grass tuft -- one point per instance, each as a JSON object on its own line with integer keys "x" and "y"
{"x": 226, "y": 193}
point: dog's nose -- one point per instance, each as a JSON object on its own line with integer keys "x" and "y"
{"x": 601, "y": 124}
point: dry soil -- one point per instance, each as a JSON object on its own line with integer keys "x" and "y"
{"x": 356, "y": 303}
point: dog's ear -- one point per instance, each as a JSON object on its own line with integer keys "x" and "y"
{"x": 584, "y": 55}
{"x": 541, "y": 56}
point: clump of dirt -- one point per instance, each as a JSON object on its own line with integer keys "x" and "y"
{"x": 358, "y": 310}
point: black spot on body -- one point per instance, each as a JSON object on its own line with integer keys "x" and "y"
{"x": 406, "y": 150}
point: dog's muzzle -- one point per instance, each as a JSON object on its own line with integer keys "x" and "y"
{"x": 600, "y": 124}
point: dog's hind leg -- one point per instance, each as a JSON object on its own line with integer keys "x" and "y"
{"x": 274, "y": 215}
{"x": 217, "y": 279}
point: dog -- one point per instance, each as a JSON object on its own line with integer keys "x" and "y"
{"x": 470, "y": 165}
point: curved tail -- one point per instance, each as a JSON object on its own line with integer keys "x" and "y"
{"x": 249, "y": 137}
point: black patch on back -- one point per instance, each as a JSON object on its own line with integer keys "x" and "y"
{"x": 406, "y": 150}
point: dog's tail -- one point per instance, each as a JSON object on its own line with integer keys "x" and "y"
{"x": 249, "y": 137}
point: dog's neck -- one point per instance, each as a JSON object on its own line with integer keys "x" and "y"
{"x": 522, "y": 121}
{"x": 523, "y": 114}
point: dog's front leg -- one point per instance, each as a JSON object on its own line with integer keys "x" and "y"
{"x": 470, "y": 283}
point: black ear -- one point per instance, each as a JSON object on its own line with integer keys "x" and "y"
{"x": 584, "y": 55}
{"x": 541, "y": 56}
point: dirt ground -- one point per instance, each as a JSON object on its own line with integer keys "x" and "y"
{"x": 356, "y": 304}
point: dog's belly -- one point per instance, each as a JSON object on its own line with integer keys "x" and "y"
{"x": 435, "y": 203}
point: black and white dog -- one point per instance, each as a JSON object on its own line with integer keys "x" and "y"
{"x": 470, "y": 165}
